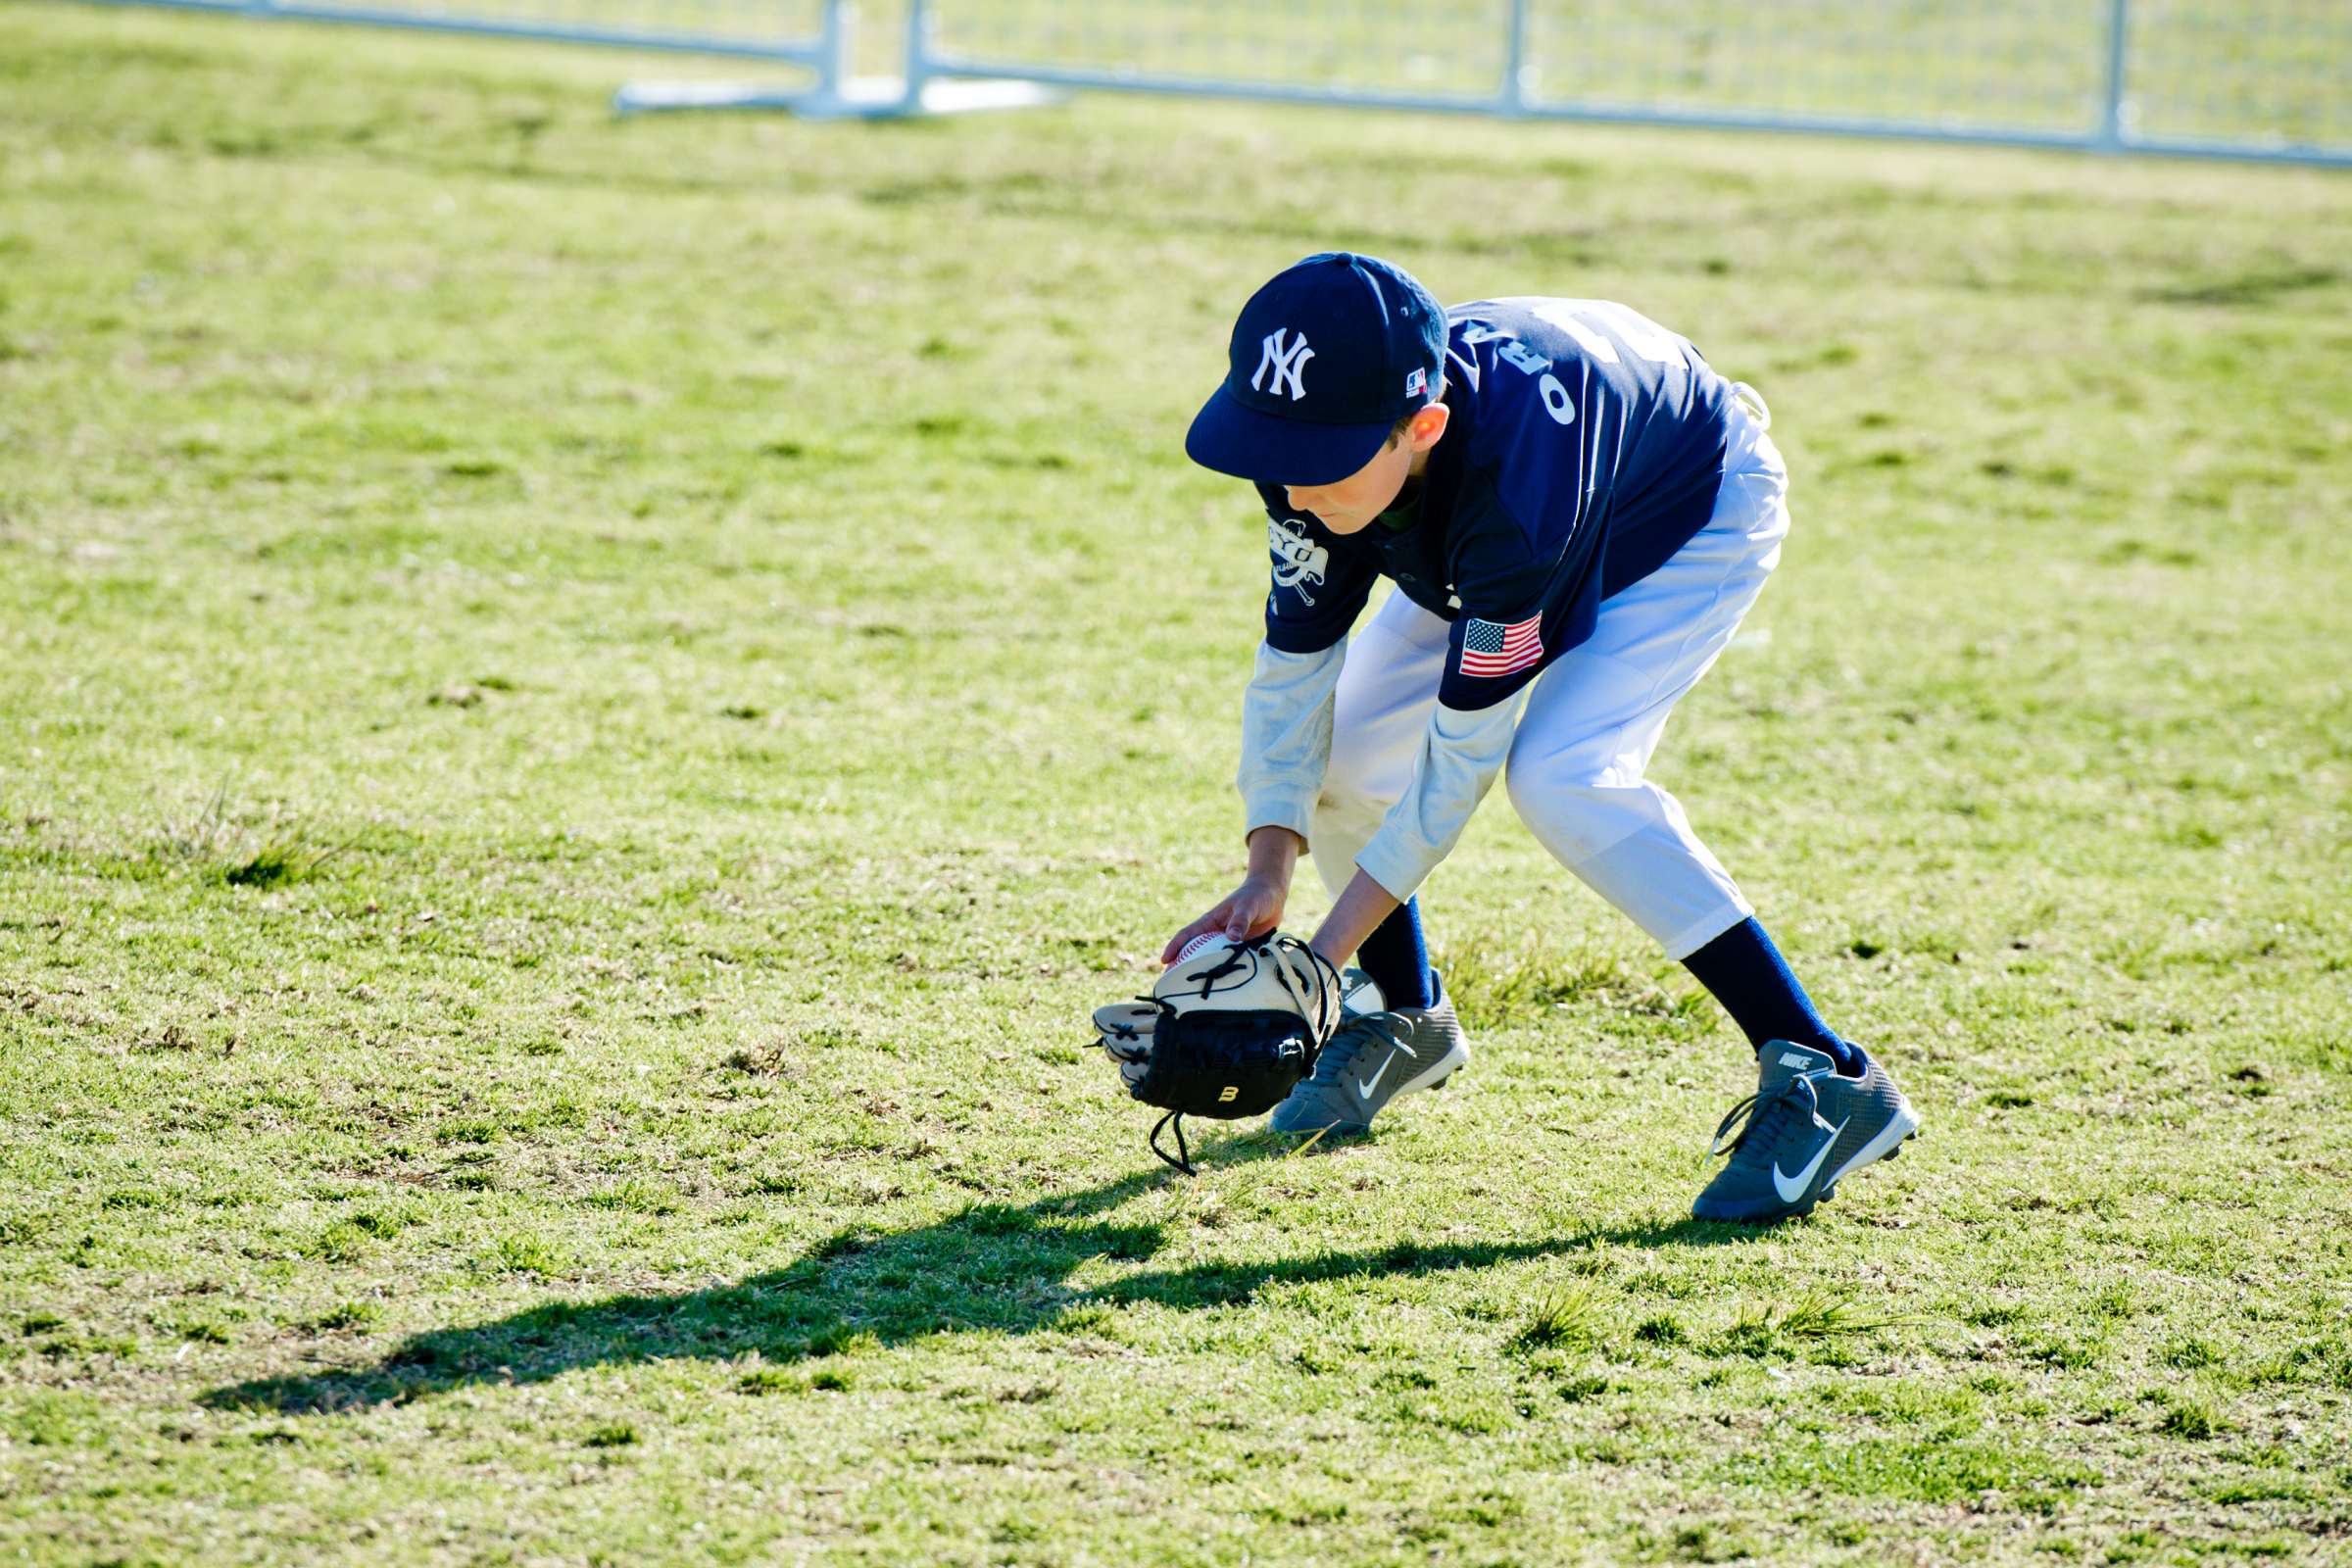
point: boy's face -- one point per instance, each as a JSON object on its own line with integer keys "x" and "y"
{"x": 1348, "y": 506}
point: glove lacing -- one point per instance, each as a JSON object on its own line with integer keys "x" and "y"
{"x": 1296, "y": 967}
{"x": 1182, "y": 1160}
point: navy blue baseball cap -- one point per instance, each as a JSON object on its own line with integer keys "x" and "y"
{"x": 1324, "y": 361}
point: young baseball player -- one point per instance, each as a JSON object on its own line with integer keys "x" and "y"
{"x": 1576, "y": 511}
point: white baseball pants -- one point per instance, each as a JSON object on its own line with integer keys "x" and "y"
{"x": 1592, "y": 721}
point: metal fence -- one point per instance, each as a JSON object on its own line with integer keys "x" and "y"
{"x": 2232, "y": 78}
{"x": 813, "y": 33}
{"x": 2237, "y": 79}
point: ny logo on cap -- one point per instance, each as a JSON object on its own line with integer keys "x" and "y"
{"x": 1286, "y": 362}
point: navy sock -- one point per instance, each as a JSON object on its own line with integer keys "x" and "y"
{"x": 1396, "y": 958}
{"x": 1746, "y": 973}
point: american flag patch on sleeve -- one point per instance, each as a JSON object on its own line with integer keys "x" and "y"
{"x": 1489, "y": 648}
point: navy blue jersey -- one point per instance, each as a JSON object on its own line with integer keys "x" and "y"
{"x": 1584, "y": 447}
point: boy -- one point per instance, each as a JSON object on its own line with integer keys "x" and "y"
{"x": 1576, "y": 511}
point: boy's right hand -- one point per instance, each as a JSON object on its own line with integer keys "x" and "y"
{"x": 1250, "y": 910}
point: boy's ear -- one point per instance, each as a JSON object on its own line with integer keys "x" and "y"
{"x": 1428, "y": 426}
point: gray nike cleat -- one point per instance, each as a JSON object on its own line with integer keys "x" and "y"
{"x": 1372, "y": 1060}
{"x": 1806, "y": 1127}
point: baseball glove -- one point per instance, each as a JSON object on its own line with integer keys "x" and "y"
{"x": 1226, "y": 1032}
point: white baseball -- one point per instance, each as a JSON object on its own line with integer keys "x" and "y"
{"x": 1202, "y": 943}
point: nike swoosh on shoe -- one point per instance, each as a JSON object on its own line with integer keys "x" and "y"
{"x": 1792, "y": 1187}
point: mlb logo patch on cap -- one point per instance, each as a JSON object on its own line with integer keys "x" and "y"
{"x": 1417, "y": 384}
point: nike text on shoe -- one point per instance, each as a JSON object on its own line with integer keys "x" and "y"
{"x": 1373, "y": 1058}
{"x": 1806, "y": 1128}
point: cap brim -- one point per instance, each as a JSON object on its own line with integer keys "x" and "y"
{"x": 1233, "y": 438}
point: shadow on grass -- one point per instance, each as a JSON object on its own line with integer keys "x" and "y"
{"x": 990, "y": 1267}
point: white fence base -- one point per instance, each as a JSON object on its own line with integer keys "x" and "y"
{"x": 858, "y": 98}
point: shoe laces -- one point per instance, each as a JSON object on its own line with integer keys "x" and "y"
{"x": 1364, "y": 1029}
{"x": 1766, "y": 1116}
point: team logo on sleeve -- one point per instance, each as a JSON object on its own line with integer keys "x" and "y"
{"x": 1491, "y": 647}
{"x": 1297, "y": 560}
{"x": 1285, "y": 357}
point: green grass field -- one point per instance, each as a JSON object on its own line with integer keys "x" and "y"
{"x": 585, "y": 707}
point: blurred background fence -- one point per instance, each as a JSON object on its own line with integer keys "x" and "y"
{"x": 813, "y": 33}
{"x": 2237, "y": 79}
